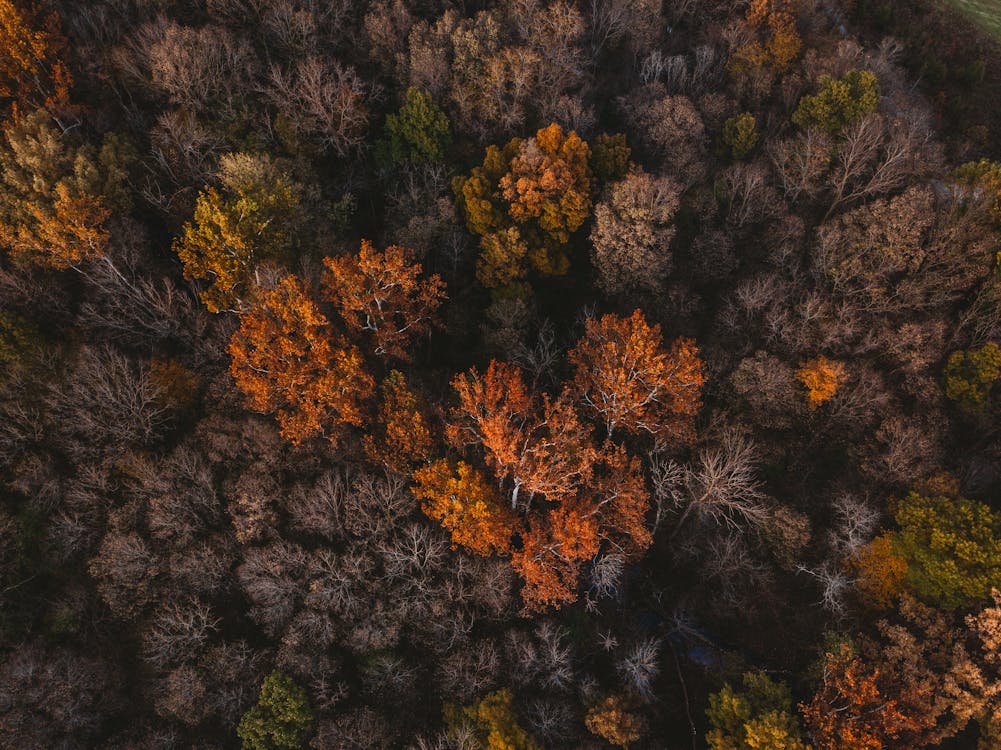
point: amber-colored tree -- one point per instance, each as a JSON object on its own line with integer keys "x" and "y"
{"x": 382, "y": 293}
{"x": 467, "y": 506}
{"x": 250, "y": 220}
{"x": 821, "y": 377}
{"x": 541, "y": 186}
{"x": 57, "y": 193}
{"x": 881, "y": 571}
{"x": 616, "y": 720}
{"x": 30, "y": 70}
{"x": 850, "y": 711}
{"x": 626, "y": 376}
{"x": 776, "y": 44}
{"x": 287, "y": 359}
{"x": 63, "y": 236}
{"x": 401, "y": 435}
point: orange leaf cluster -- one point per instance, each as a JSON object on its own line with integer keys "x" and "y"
{"x": 781, "y": 42}
{"x": 881, "y": 571}
{"x": 852, "y": 710}
{"x": 287, "y": 358}
{"x": 626, "y": 376}
{"x": 31, "y": 73}
{"x": 822, "y": 377}
{"x": 383, "y": 293}
{"x": 62, "y": 237}
{"x": 467, "y": 506}
{"x": 573, "y": 497}
{"x": 402, "y": 433}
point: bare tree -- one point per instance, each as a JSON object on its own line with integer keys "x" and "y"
{"x": 325, "y": 103}
{"x": 721, "y": 488}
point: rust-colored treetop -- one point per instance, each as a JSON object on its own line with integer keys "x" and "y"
{"x": 31, "y": 73}
{"x": 382, "y": 294}
{"x": 626, "y": 376}
{"x": 287, "y": 359}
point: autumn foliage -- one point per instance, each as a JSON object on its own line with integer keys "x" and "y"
{"x": 541, "y": 189}
{"x": 286, "y": 359}
{"x": 851, "y": 710}
{"x": 383, "y": 295}
{"x": 626, "y": 376}
{"x": 821, "y": 377}
{"x": 401, "y": 435}
{"x": 31, "y": 72}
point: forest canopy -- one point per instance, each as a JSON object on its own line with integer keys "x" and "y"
{"x": 498, "y": 375}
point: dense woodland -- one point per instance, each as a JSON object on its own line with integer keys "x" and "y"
{"x": 498, "y": 375}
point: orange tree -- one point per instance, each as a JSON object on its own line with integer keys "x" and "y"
{"x": 854, "y": 710}
{"x": 542, "y": 188}
{"x": 626, "y": 376}
{"x": 400, "y": 434}
{"x": 31, "y": 72}
{"x": 555, "y": 498}
{"x": 383, "y": 294}
{"x": 288, "y": 360}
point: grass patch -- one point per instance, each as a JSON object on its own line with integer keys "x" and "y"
{"x": 985, "y": 13}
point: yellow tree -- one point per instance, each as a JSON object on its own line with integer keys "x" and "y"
{"x": 383, "y": 294}
{"x": 250, "y": 220}
{"x": 288, "y": 360}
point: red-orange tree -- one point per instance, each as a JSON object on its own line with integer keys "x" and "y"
{"x": 852, "y": 711}
{"x": 630, "y": 380}
{"x": 287, "y": 359}
{"x": 383, "y": 293}
{"x": 400, "y": 435}
{"x": 567, "y": 497}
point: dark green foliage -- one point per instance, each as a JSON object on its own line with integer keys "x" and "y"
{"x": 280, "y": 720}
{"x": 419, "y": 132}
{"x": 740, "y": 133}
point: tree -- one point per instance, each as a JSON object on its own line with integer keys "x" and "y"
{"x": 849, "y": 711}
{"x": 58, "y": 194}
{"x": 287, "y": 359}
{"x": 540, "y": 448}
{"x": 632, "y": 232}
{"x": 541, "y": 186}
{"x": 740, "y": 133}
{"x": 31, "y": 73}
{"x": 323, "y": 104}
{"x": 281, "y": 718}
{"x": 467, "y": 506}
{"x": 881, "y": 571}
{"x": 759, "y": 716}
{"x": 382, "y": 293}
{"x": 493, "y": 723}
{"x": 629, "y": 380}
{"x": 983, "y": 182}
{"x": 401, "y": 434}
{"x": 838, "y": 102}
{"x": 821, "y": 377}
{"x": 952, "y": 546}
{"x": 616, "y": 720}
{"x": 419, "y": 132}
{"x": 251, "y": 220}
{"x": 970, "y": 376}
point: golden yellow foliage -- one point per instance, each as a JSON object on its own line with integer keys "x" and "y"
{"x": 821, "y": 377}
